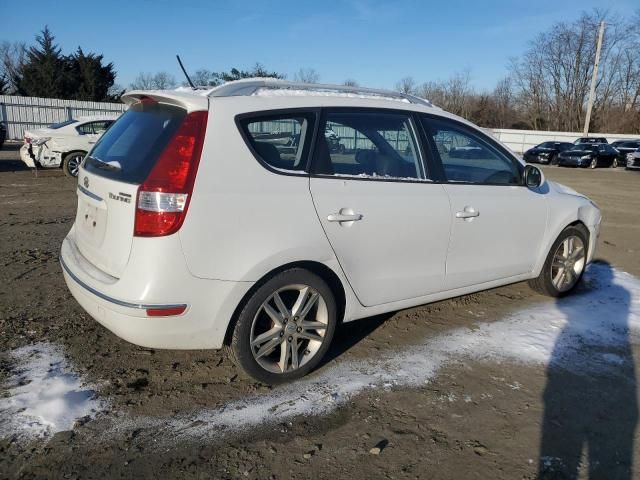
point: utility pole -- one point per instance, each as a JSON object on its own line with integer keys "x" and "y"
{"x": 594, "y": 77}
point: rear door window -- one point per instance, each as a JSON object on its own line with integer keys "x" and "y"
{"x": 373, "y": 145}
{"x": 128, "y": 150}
{"x": 280, "y": 141}
{"x": 97, "y": 127}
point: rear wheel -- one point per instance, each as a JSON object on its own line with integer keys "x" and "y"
{"x": 71, "y": 163}
{"x": 564, "y": 265}
{"x": 285, "y": 327}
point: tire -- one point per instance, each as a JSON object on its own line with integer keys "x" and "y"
{"x": 254, "y": 322}
{"x": 594, "y": 163}
{"x": 71, "y": 163}
{"x": 553, "y": 160}
{"x": 614, "y": 164}
{"x": 544, "y": 283}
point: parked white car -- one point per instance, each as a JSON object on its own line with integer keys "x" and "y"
{"x": 200, "y": 224}
{"x": 63, "y": 144}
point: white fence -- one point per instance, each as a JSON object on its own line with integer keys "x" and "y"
{"x": 25, "y": 113}
{"x": 521, "y": 140}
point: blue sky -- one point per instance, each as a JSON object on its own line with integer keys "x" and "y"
{"x": 373, "y": 42}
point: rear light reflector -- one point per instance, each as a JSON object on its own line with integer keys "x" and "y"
{"x": 164, "y": 196}
{"x": 166, "y": 312}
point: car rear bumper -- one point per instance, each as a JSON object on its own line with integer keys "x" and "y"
{"x": 210, "y": 304}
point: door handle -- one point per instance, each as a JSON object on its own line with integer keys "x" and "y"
{"x": 469, "y": 213}
{"x": 341, "y": 217}
{"x": 345, "y": 215}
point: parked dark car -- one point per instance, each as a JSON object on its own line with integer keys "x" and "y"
{"x": 589, "y": 155}
{"x": 582, "y": 140}
{"x": 546, "y": 152}
{"x": 3, "y": 133}
{"x": 625, "y": 149}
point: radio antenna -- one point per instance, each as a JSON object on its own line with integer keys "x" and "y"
{"x": 185, "y": 72}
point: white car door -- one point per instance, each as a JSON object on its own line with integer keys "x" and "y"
{"x": 497, "y": 223}
{"x": 388, "y": 224}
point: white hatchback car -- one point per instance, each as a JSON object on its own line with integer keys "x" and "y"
{"x": 63, "y": 144}
{"x": 227, "y": 217}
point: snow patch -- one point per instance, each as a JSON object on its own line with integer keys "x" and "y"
{"x": 569, "y": 333}
{"x": 45, "y": 396}
{"x": 292, "y": 92}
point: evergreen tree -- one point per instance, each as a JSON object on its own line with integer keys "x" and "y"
{"x": 90, "y": 79}
{"x": 45, "y": 72}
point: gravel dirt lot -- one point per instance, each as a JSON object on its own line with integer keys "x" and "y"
{"x": 457, "y": 397}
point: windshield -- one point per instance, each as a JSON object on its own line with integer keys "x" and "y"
{"x": 55, "y": 126}
{"x": 581, "y": 147}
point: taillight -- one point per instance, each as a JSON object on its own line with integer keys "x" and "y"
{"x": 164, "y": 196}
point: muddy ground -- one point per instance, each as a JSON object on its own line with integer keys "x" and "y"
{"x": 474, "y": 418}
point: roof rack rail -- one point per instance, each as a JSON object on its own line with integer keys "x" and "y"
{"x": 250, "y": 86}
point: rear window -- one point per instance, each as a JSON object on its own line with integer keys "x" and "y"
{"x": 55, "y": 126}
{"x": 130, "y": 147}
{"x": 280, "y": 141}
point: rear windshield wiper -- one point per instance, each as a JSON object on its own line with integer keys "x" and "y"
{"x": 112, "y": 165}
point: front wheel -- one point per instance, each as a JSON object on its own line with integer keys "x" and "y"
{"x": 285, "y": 327}
{"x": 71, "y": 163}
{"x": 594, "y": 162}
{"x": 614, "y": 164}
{"x": 564, "y": 265}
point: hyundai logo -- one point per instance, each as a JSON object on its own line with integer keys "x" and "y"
{"x": 86, "y": 182}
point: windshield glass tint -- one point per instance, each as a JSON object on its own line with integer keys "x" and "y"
{"x": 130, "y": 147}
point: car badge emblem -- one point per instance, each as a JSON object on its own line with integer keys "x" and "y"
{"x": 86, "y": 182}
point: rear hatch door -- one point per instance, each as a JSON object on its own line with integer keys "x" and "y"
{"x": 110, "y": 176}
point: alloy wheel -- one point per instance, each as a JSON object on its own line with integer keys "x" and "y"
{"x": 73, "y": 164}
{"x": 568, "y": 263}
{"x": 289, "y": 328}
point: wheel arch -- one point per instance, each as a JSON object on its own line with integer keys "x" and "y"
{"x": 323, "y": 271}
{"x": 562, "y": 226}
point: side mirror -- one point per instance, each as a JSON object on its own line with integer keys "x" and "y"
{"x": 533, "y": 177}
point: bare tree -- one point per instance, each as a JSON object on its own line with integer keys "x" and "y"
{"x": 307, "y": 75}
{"x": 12, "y": 59}
{"x": 552, "y": 78}
{"x": 350, "y": 82}
{"x": 406, "y": 85}
{"x": 158, "y": 81}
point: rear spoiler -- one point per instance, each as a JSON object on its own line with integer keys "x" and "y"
{"x": 191, "y": 102}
